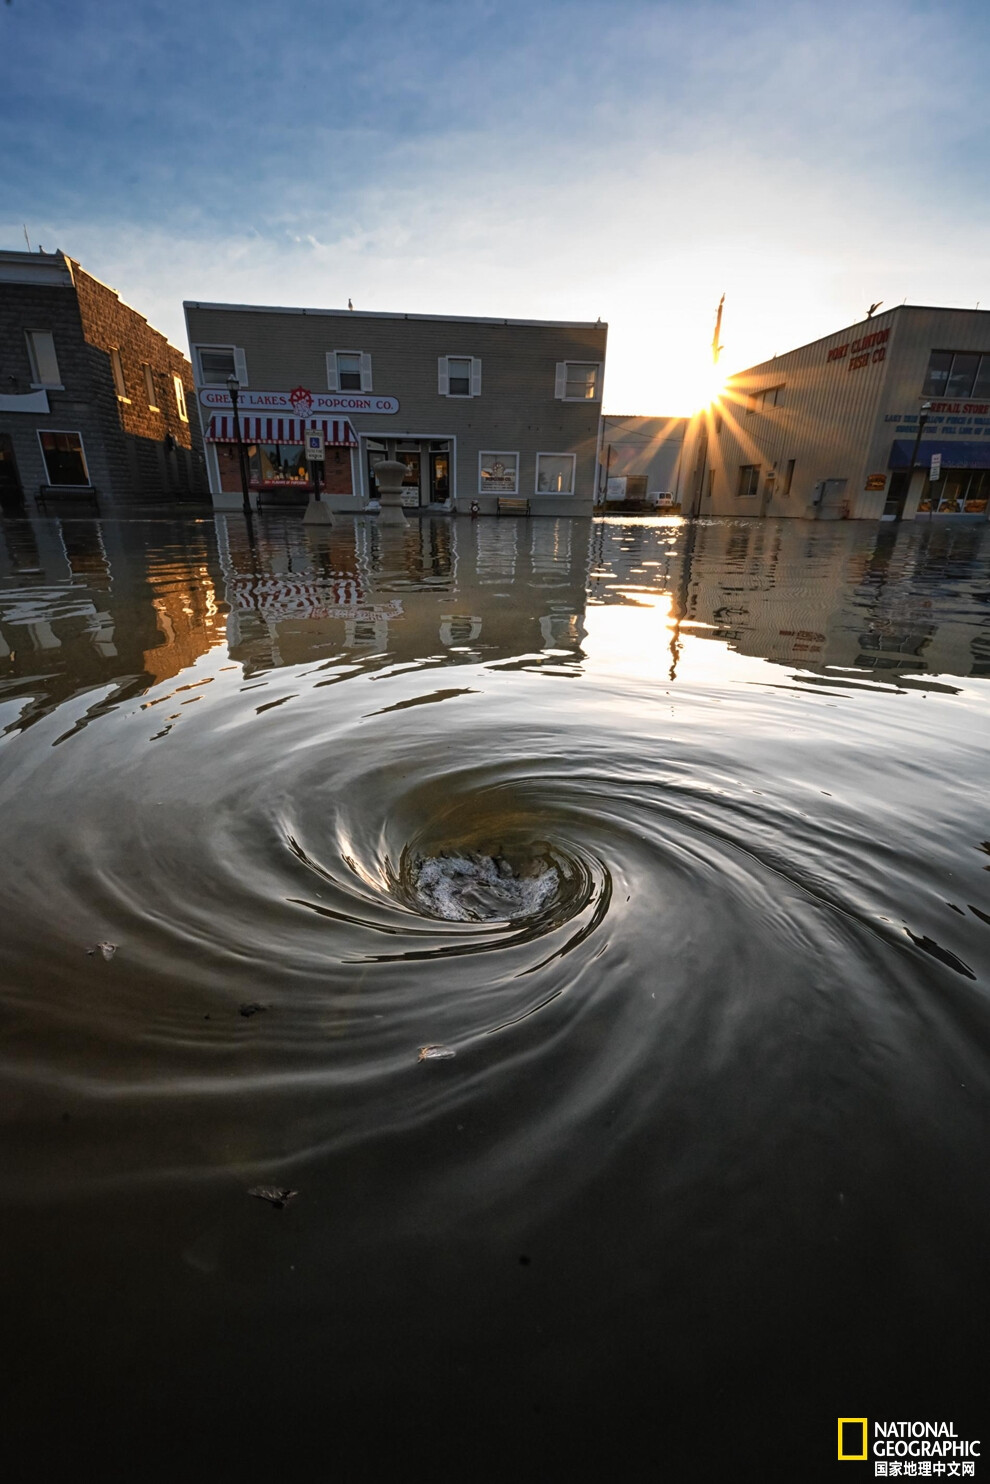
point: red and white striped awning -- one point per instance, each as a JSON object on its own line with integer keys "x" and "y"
{"x": 337, "y": 432}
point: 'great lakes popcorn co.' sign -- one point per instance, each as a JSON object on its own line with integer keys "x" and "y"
{"x": 300, "y": 401}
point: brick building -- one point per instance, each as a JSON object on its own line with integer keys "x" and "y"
{"x": 93, "y": 400}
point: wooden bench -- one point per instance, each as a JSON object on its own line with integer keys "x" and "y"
{"x": 505, "y": 506}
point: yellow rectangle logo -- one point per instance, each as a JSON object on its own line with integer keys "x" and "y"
{"x": 852, "y": 1439}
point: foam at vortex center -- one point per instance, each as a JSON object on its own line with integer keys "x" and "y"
{"x": 471, "y": 888}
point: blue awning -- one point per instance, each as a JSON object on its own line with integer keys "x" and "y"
{"x": 956, "y": 453}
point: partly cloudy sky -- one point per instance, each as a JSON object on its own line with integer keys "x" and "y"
{"x": 546, "y": 159}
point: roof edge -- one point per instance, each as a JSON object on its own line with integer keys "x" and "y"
{"x": 464, "y": 319}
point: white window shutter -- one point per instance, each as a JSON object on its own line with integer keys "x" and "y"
{"x": 333, "y": 381}
{"x": 443, "y": 378}
{"x": 560, "y": 386}
{"x": 365, "y": 372}
{"x": 475, "y": 377}
{"x": 240, "y": 366}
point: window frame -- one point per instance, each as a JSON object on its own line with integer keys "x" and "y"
{"x": 552, "y": 453}
{"x": 71, "y": 433}
{"x": 150, "y": 390}
{"x": 180, "y": 397}
{"x": 37, "y": 383}
{"x": 365, "y": 372}
{"x": 561, "y": 380}
{"x": 473, "y": 379}
{"x": 943, "y": 393}
{"x": 240, "y": 365}
{"x": 754, "y": 482}
{"x": 117, "y": 372}
{"x": 498, "y": 453}
{"x": 768, "y": 396}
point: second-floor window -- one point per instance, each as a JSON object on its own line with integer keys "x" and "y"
{"x": 578, "y": 381}
{"x": 218, "y": 363}
{"x": 459, "y": 376}
{"x": 771, "y": 396}
{"x": 116, "y": 366}
{"x": 180, "y": 398}
{"x": 348, "y": 371}
{"x": 149, "y": 387}
{"x": 41, "y": 353}
{"x": 958, "y": 373}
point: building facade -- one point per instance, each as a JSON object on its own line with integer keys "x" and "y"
{"x": 640, "y": 463}
{"x": 93, "y": 400}
{"x": 479, "y": 410}
{"x": 888, "y": 419}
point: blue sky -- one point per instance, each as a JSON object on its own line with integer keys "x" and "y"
{"x": 566, "y": 159}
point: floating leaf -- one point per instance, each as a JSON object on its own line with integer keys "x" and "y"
{"x": 107, "y": 949}
{"x": 275, "y": 1195}
{"x": 436, "y": 1053}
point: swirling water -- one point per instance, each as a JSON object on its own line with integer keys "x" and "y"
{"x": 673, "y": 839}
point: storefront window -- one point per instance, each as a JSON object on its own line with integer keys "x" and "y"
{"x": 958, "y": 492}
{"x": 499, "y": 473}
{"x": 555, "y": 473}
{"x": 274, "y": 465}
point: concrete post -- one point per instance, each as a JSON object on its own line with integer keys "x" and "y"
{"x": 389, "y": 475}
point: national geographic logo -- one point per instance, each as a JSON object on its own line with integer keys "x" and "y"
{"x": 909, "y": 1450}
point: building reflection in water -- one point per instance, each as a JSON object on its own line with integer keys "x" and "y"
{"x": 450, "y": 591}
{"x": 87, "y": 604}
{"x": 115, "y": 608}
{"x": 845, "y": 598}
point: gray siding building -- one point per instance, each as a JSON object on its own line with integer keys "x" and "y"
{"x": 479, "y": 410}
{"x": 888, "y": 419}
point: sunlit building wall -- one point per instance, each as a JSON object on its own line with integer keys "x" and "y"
{"x": 847, "y": 427}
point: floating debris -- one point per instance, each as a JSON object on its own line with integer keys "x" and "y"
{"x": 107, "y": 949}
{"x": 248, "y": 1010}
{"x": 436, "y": 1053}
{"x": 275, "y": 1195}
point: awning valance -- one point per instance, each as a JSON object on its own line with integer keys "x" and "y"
{"x": 337, "y": 431}
{"x": 957, "y": 453}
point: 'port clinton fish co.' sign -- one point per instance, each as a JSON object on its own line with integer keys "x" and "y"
{"x": 863, "y": 351}
{"x": 300, "y": 401}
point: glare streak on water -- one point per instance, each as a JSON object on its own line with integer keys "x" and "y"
{"x": 686, "y": 867}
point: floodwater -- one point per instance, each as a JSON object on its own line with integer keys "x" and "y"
{"x": 668, "y": 842}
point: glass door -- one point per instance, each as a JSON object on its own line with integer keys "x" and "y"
{"x": 439, "y": 478}
{"x": 411, "y": 479}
